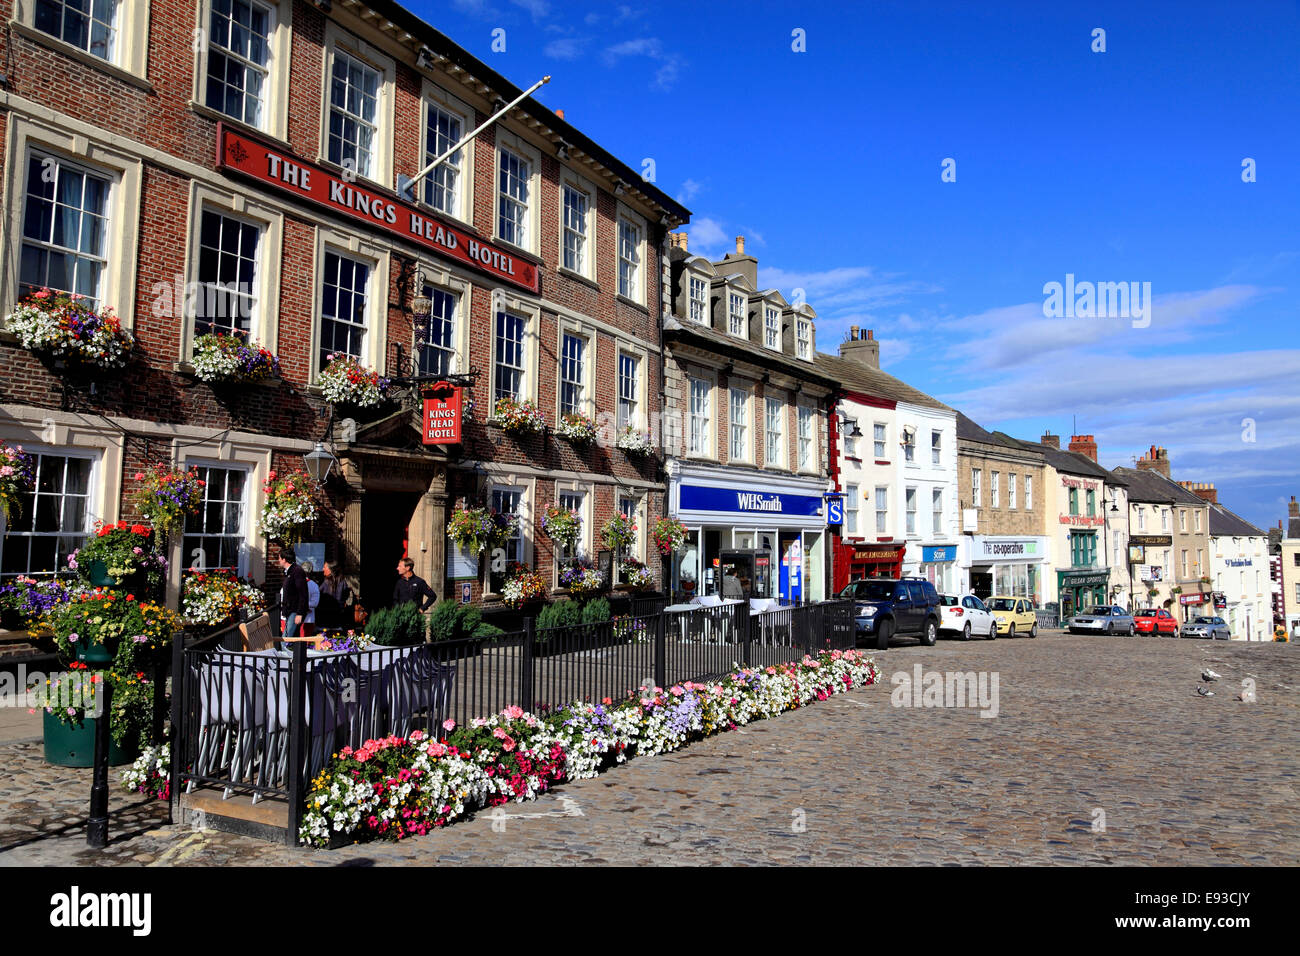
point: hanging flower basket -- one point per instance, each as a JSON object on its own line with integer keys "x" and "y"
{"x": 523, "y": 585}
{"x": 619, "y": 532}
{"x": 577, "y": 428}
{"x": 290, "y": 505}
{"x": 62, "y": 326}
{"x": 345, "y": 381}
{"x": 634, "y": 442}
{"x": 669, "y": 536}
{"x": 519, "y": 418}
{"x": 229, "y": 359}
{"x": 562, "y": 526}
{"x": 16, "y": 472}
{"x": 473, "y": 529}
{"x": 120, "y": 554}
{"x": 167, "y": 497}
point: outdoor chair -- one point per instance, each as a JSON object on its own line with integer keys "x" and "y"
{"x": 417, "y": 684}
{"x": 235, "y": 734}
{"x": 258, "y": 633}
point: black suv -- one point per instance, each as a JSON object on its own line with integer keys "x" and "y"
{"x": 884, "y": 607}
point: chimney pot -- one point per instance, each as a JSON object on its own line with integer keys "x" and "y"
{"x": 870, "y": 334}
{"x": 560, "y": 113}
{"x": 740, "y": 245}
{"x": 853, "y": 333}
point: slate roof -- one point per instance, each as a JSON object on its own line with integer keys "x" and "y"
{"x": 1069, "y": 462}
{"x": 1224, "y": 522}
{"x": 853, "y": 376}
{"x": 1154, "y": 488}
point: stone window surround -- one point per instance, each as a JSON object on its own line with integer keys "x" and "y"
{"x": 276, "y": 111}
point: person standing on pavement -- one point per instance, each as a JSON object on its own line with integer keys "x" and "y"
{"x": 410, "y": 588}
{"x": 313, "y": 601}
{"x": 333, "y": 612}
{"x": 293, "y": 593}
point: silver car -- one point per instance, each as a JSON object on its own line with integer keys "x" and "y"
{"x": 1212, "y": 627}
{"x": 1102, "y": 620}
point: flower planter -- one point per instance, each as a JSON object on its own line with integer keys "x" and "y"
{"x": 94, "y": 653}
{"x": 67, "y": 745}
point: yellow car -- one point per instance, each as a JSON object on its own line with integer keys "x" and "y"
{"x": 1013, "y": 616}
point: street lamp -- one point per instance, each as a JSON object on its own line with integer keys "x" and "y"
{"x": 319, "y": 463}
{"x": 421, "y": 304}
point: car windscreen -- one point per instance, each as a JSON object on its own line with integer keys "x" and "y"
{"x": 1001, "y": 604}
{"x": 1096, "y": 611}
{"x": 869, "y": 591}
{"x": 1205, "y": 620}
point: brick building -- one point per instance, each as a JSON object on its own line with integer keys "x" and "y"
{"x": 252, "y": 149}
{"x": 745, "y": 428}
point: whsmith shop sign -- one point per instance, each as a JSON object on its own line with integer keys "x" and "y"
{"x": 704, "y": 498}
{"x": 377, "y": 210}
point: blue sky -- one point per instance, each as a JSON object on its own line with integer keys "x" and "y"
{"x": 1117, "y": 166}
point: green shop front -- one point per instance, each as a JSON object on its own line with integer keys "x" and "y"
{"x": 1081, "y": 590}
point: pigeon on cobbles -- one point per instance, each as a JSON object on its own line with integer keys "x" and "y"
{"x": 1208, "y": 674}
{"x": 1203, "y": 692}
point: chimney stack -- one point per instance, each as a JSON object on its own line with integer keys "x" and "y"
{"x": 1203, "y": 490}
{"x": 740, "y": 245}
{"x": 1084, "y": 445}
{"x": 1052, "y": 441}
{"x": 1294, "y": 509}
{"x": 860, "y": 348}
{"x": 1157, "y": 460}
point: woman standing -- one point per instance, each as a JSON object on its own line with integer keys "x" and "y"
{"x": 334, "y": 613}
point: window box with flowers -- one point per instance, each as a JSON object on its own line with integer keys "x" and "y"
{"x": 167, "y": 497}
{"x": 121, "y": 555}
{"x": 221, "y": 359}
{"x": 290, "y": 506}
{"x": 635, "y": 575}
{"x": 345, "y": 381}
{"x": 523, "y": 586}
{"x": 577, "y": 428}
{"x": 519, "y": 418}
{"x": 582, "y": 579}
{"x": 67, "y": 329}
{"x": 473, "y": 529}
{"x": 634, "y": 442}
{"x": 213, "y": 598}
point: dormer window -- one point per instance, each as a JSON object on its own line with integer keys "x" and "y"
{"x": 803, "y": 338}
{"x": 699, "y": 301}
{"x": 736, "y": 314}
{"x": 772, "y": 328}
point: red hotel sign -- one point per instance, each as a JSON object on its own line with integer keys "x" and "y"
{"x": 442, "y": 415}
{"x": 291, "y": 175}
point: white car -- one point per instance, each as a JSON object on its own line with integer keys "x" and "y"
{"x": 966, "y": 616}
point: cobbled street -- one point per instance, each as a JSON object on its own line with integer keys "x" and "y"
{"x": 1101, "y": 752}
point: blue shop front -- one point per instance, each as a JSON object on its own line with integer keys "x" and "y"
{"x": 750, "y": 535}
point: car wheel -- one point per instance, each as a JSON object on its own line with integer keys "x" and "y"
{"x": 1132, "y": 631}
{"x": 1110, "y": 630}
{"x": 1011, "y": 630}
{"x": 883, "y": 632}
{"x": 931, "y": 634}
{"x": 965, "y": 632}
{"x": 1033, "y": 630}
{"x": 993, "y": 630}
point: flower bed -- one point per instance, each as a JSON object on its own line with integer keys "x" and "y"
{"x": 396, "y": 787}
{"x": 222, "y": 358}
{"x": 345, "y": 381}
{"x": 68, "y": 326}
{"x": 150, "y": 774}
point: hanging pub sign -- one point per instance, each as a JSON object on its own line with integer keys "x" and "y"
{"x": 442, "y": 415}
{"x": 377, "y": 209}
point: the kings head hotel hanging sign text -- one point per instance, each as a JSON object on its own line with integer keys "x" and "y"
{"x": 291, "y": 175}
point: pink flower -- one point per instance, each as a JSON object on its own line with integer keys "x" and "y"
{"x": 500, "y": 733}
{"x": 72, "y": 711}
{"x": 508, "y": 743}
{"x": 73, "y": 637}
{"x": 417, "y": 736}
{"x": 449, "y": 725}
{"x": 436, "y": 749}
{"x": 513, "y": 712}
{"x": 139, "y": 476}
{"x": 676, "y": 692}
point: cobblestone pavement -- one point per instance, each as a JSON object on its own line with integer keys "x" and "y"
{"x": 1089, "y": 730}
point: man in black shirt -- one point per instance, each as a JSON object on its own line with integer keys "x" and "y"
{"x": 410, "y": 588}
{"x": 293, "y": 593}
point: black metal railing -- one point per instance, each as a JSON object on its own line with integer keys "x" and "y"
{"x": 266, "y": 723}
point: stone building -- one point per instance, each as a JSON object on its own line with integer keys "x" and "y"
{"x": 1238, "y": 558}
{"x": 253, "y": 151}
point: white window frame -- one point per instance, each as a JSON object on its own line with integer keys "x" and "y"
{"x": 506, "y": 302}
{"x": 1182, "y": 521}
{"x": 803, "y": 339}
{"x": 434, "y": 97}
{"x": 638, "y": 413}
{"x": 586, "y": 404}
{"x": 636, "y": 289}
{"x": 98, "y": 473}
{"x": 1196, "y": 521}
{"x": 439, "y": 277}
{"x": 976, "y": 487}
{"x": 995, "y": 496}
{"x": 125, "y": 172}
{"x": 521, "y": 150}
{"x": 587, "y": 267}
{"x": 697, "y": 307}
{"x": 247, "y": 522}
{"x": 774, "y": 457}
{"x": 637, "y": 549}
{"x": 936, "y": 448}
{"x": 732, "y": 316}
{"x": 339, "y": 41}
{"x": 275, "y": 92}
{"x": 882, "y": 509}
{"x": 909, "y": 447}
{"x": 265, "y": 325}
{"x": 806, "y": 455}
{"x": 1029, "y": 492}
{"x": 851, "y": 495}
{"x": 771, "y": 327}
{"x": 375, "y": 338}
{"x": 1011, "y": 491}
{"x": 936, "y": 508}
{"x": 746, "y": 423}
{"x": 909, "y": 509}
{"x": 527, "y": 490}
{"x": 130, "y": 57}
{"x": 583, "y": 546}
{"x": 880, "y": 440}
{"x": 706, "y": 420}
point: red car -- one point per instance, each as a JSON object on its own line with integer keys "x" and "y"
{"x": 1155, "y": 621}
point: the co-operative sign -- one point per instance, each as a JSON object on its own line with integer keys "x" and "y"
{"x": 704, "y": 498}
{"x": 377, "y": 210}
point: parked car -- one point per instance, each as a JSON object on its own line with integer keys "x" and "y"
{"x": 1102, "y": 620}
{"x": 1155, "y": 620}
{"x": 1212, "y": 627}
{"x": 1013, "y": 614}
{"x": 966, "y": 616}
{"x": 884, "y": 607}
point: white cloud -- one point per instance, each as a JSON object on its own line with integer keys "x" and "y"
{"x": 565, "y": 48}
{"x": 669, "y": 64}
{"x": 537, "y": 8}
{"x": 690, "y": 189}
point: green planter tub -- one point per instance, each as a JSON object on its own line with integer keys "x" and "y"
{"x": 74, "y": 746}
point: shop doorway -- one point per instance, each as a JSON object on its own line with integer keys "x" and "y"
{"x": 385, "y": 537}
{"x": 981, "y": 582}
{"x": 791, "y": 577}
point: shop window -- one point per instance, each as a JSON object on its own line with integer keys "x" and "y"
{"x": 51, "y": 520}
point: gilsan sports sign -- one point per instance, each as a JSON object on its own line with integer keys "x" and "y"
{"x": 377, "y": 210}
